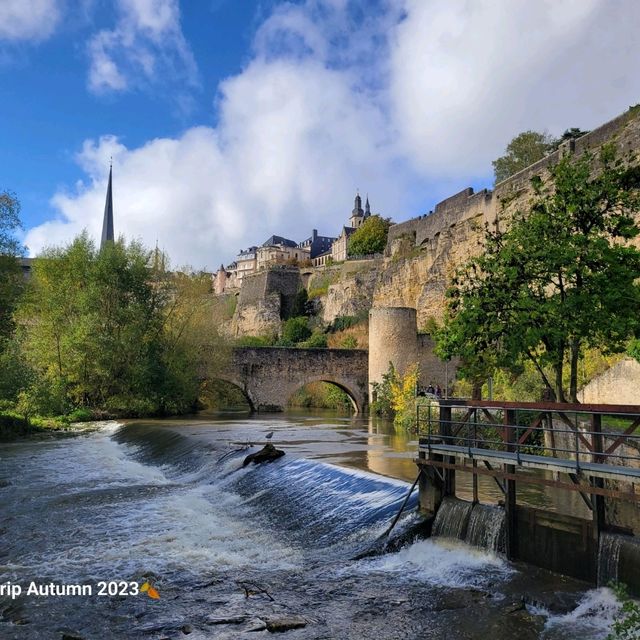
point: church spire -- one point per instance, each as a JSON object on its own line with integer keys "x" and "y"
{"x": 367, "y": 208}
{"x": 107, "y": 222}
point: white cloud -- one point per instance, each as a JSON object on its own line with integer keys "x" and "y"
{"x": 467, "y": 76}
{"x": 291, "y": 147}
{"x": 408, "y": 104}
{"x": 28, "y": 19}
{"x": 147, "y": 41}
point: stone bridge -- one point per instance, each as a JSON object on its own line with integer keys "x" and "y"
{"x": 269, "y": 376}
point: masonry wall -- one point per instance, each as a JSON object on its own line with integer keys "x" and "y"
{"x": 422, "y": 253}
{"x": 618, "y": 385}
{"x": 266, "y": 297}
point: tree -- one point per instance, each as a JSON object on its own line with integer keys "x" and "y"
{"x": 560, "y": 276}
{"x": 11, "y": 280}
{"x": 112, "y": 330}
{"x": 525, "y": 149}
{"x": 370, "y": 237}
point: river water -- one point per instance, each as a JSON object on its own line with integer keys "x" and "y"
{"x": 228, "y": 548}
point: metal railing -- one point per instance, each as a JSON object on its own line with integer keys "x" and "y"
{"x": 582, "y": 434}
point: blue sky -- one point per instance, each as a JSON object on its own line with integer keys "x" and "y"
{"x": 231, "y": 120}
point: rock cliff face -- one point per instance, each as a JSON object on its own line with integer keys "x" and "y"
{"x": 350, "y": 296}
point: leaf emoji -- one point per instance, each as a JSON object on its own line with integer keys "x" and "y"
{"x": 152, "y": 593}
{"x": 145, "y": 587}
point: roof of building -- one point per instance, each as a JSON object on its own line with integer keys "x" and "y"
{"x": 279, "y": 241}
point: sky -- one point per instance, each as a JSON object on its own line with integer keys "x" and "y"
{"x": 228, "y": 121}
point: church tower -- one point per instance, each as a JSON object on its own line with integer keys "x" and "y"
{"x": 107, "y": 222}
{"x": 357, "y": 215}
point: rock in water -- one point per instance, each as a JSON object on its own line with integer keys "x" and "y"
{"x": 267, "y": 454}
{"x": 281, "y": 624}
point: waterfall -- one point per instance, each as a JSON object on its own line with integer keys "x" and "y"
{"x": 452, "y": 519}
{"x": 616, "y": 554}
{"x": 479, "y": 525}
{"x": 486, "y": 528}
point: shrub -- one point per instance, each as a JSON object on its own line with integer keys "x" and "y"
{"x": 349, "y": 342}
{"x": 256, "y": 341}
{"x": 318, "y": 340}
{"x": 294, "y": 331}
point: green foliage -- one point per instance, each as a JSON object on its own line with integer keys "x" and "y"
{"x": 318, "y": 340}
{"x": 626, "y": 625}
{"x": 370, "y": 237}
{"x": 11, "y": 280}
{"x": 321, "y": 395}
{"x": 381, "y": 393}
{"x": 15, "y": 373}
{"x": 344, "y": 322}
{"x": 320, "y": 283}
{"x": 634, "y": 349}
{"x": 300, "y": 304}
{"x": 221, "y": 395}
{"x": 294, "y": 331}
{"x": 349, "y": 342}
{"x": 256, "y": 341}
{"x": 559, "y": 278}
{"x": 525, "y": 149}
{"x": 110, "y": 331}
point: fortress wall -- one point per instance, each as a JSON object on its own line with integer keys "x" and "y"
{"x": 624, "y": 129}
{"x": 423, "y": 253}
{"x": 433, "y": 370}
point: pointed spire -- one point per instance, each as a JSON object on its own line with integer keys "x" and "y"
{"x": 107, "y": 222}
{"x": 367, "y": 208}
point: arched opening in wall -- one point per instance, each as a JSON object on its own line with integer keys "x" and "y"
{"x": 224, "y": 395}
{"x": 323, "y": 394}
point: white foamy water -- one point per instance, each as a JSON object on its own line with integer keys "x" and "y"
{"x": 592, "y": 618}
{"x": 442, "y": 562}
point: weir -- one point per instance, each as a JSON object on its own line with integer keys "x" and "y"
{"x": 591, "y": 450}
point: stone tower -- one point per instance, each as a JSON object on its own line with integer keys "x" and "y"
{"x": 107, "y": 221}
{"x": 393, "y": 337}
{"x": 221, "y": 280}
{"x": 357, "y": 215}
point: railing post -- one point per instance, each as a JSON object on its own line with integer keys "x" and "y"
{"x": 446, "y": 434}
{"x": 597, "y": 501}
{"x": 510, "y": 507}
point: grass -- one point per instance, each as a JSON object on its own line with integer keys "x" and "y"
{"x": 14, "y": 426}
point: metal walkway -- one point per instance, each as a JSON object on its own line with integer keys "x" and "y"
{"x": 547, "y": 463}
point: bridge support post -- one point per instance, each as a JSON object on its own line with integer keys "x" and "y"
{"x": 446, "y": 433}
{"x": 510, "y": 506}
{"x": 430, "y": 486}
{"x": 597, "y": 501}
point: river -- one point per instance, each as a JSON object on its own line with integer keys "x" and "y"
{"x": 228, "y": 548}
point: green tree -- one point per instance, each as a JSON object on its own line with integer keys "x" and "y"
{"x": 557, "y": 278}
{"x": 525, "y": 149}
{"x": 112, "y": 330}
{"x": 370, "y": 237}
{"x": 11, "y": 280}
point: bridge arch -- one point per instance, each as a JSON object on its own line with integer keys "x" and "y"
{"x": 357, "y": 402}
{"x": 238, "y": 384}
